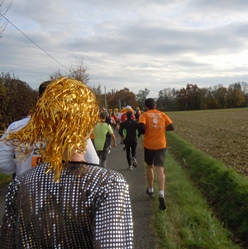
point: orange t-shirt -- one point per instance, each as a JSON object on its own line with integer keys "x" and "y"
{"x": 155, "y": 122}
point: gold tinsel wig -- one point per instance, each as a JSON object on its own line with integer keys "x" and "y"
{"x": 62, "y": 120}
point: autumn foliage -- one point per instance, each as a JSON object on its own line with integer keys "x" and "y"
{"x": 17, "y": 97}
{"x": 194, "y": 98}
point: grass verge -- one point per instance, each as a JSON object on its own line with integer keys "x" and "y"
{"x": 225, "y": 191}
{"x": 188, "y": 222}
{"x": 5, "y": 180}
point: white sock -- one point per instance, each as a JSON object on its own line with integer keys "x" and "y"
{"x": 150, "y": 190}
{"x": 161, "y": 192}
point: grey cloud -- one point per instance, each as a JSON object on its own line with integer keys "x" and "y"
{"x": 159, "y": 40}
{"x": 134, "y": 44}
{"x": 221, "y": 5}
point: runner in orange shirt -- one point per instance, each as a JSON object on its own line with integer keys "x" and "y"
{"x": 153, "y": 125}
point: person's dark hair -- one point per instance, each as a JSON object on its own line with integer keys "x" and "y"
{"x": 43, "y": 87}
{"x": 103, "y": 115}
{"x": 129, "y": 115}
{"x": 150, "y": 103}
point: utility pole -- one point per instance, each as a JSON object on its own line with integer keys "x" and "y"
{"x": 105, "y": 98}
{"x": 119, "y": 104}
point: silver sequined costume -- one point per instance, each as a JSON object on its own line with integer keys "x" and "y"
{"x": 88, "y": 208}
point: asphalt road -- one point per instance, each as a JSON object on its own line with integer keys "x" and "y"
{"x": 144, "y": 237}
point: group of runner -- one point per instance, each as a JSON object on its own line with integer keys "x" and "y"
{"x": 152, "y": 124}
{"x": 115, "y": 117}
{"x": 123, "y": 123}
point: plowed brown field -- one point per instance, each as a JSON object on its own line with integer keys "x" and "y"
{"x": 223, "y": 134}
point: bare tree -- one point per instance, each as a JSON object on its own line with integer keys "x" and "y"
{"x": 3, "y": 21}
{"x": 79, "y": 72}
{"x": 56, "y": 75}
{"x": 141, "y": 97}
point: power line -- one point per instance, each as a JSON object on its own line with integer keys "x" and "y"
{"x": 34, "y": 42}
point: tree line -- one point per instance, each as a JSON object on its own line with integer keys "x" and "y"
{"x": 189, "y": 98}
{"x": 194, "y": 98}
{"x": 17, "y": 98}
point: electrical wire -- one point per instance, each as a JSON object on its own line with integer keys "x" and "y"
{"x": 34, "y": 42}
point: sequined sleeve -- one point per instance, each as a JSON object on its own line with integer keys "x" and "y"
{"x": 8, "y": 223}
{"x": 113, "y": 220}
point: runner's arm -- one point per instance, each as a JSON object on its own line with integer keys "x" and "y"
{"x": 113, "y": 220}
{"x": 170, "y": 127}
{"x": 121, "y": 130}
{"x": 114, "y": 139}
{"x": 141, "y": 128}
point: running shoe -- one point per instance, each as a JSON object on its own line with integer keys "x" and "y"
{"x": 150, "y": 194}
{"x": 135, "y": 164}
{"x": 161, "y": 200}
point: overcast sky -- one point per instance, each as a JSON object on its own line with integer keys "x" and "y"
{"x": 137, "y": 44}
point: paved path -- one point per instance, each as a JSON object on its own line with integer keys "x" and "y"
{"x": 144, "y": 237}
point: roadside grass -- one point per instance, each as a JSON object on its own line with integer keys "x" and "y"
{"x": 5, "y": 180}
{"x": 188, "y": 222}
{"x": 225, "y": 191}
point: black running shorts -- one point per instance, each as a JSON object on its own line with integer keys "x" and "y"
{"x": 155, "y": 157}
